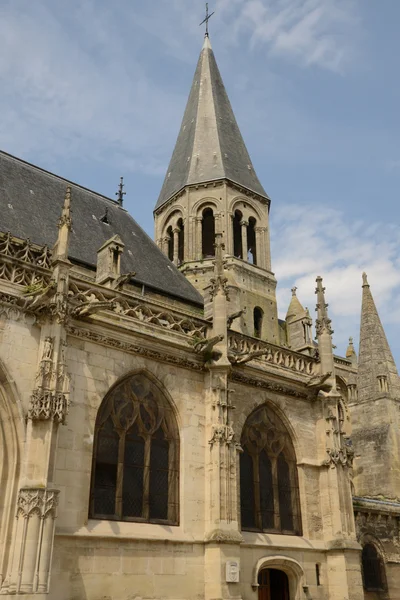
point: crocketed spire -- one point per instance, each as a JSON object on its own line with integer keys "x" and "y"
{"x": 377, "y": 372}
{"x": 209, "y": 145}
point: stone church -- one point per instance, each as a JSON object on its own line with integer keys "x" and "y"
{"x": 163, "y": 434}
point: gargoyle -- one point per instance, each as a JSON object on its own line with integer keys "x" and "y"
{"x": 319, "y": 381}
{"x": 240, "y": 359}
{"x": 93, "y": 306}
{"x": 206, "y": 346}
{"x": 40, "y": 298}
{"x": 122, "y": 279}
{"x": 234, "y": 316}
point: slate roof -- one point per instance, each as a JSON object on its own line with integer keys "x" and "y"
{"x": 209, "y": 145}
{"x": 31, "y": 200}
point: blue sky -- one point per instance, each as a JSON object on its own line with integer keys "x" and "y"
{"x": 92, "y": 90}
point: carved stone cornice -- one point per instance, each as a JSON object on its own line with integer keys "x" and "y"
{"x": 277, "y": 388}
{"x": 105, "y": 340}
{"x": 40, "y": 501}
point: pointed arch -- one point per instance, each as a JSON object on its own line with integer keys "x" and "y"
{"x": 268, "y": 469}
{"x": 12, "y": 436}
{"x": 135, "y": 468}
{"x": 373, "y": 564}
{"x": 289, "y": 566}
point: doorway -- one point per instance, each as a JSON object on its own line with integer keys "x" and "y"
{"x": 273, "y": 585}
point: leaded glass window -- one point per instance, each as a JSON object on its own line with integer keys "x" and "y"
{"x": 269, "y": 494}
{"x": 372, "y": 569}
{"x": 136, "y": 455}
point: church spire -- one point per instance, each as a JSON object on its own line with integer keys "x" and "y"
{"x": 210, "y": 146}
{"x": 377, "y": 372}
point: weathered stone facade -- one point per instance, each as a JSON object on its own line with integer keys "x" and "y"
{"x": 102, "y": 374}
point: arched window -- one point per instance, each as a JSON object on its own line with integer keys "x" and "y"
{"x": 208, "y": 233}
{"x": 372, "y": 569}
{"x": 269, "y": 493}
{"x": 136, "y": 455}
{"x": 181, "y": 241}
{"x": 258, "y": 319}
{"x": 251, "y": 242}
{"x": 237, "y": 234}
{"x": 170, "y": 237}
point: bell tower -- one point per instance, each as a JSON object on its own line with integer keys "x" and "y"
{"x": 211, "y": 187}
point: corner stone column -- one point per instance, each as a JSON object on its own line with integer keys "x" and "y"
{"x": 176, "y": 245}
{"x": 198, "y": 251}
{"x": 260, "y": 258}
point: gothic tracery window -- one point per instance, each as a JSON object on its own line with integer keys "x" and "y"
{"x": 372, "y": 569}
{"x": 269, "y": 494}
{"x": 136, "y": 455}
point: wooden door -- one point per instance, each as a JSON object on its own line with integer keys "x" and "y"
{"x": 273, "y": 585}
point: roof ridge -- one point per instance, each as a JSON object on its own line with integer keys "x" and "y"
{"x": 68, "y": 181}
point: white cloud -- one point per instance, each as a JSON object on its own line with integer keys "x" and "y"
{"x": 314, "y": 32}
{"x": 311, "y": 240}
{"x": 67, "y": 91}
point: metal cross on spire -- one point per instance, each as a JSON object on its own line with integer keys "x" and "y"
{"x": 121, "y": 192}
{"x": 208, "y": 17}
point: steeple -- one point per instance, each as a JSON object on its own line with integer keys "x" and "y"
{"x": 377, "y": 372}
{"x": 209, "y": 146}
{"x": 211, "y": 190}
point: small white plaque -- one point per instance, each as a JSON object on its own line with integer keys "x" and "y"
{"x": 232, "y": 571}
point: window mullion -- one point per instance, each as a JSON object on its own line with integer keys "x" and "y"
{"x": 277, "y": 516}
{"x": 120, "y": 474}
{"x": 257, "y": 500}
{"x": 146, "y": 477}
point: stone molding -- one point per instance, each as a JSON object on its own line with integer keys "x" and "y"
{"x": 111, "y": 342}
{"x": 268, "y": 385}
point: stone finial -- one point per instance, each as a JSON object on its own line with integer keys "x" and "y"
{"x": 365, "y": 280}
{"x": 350, "y": 352}
{"x": 323, "y": 322}
{"x": 294, "y": 290}
{"x": 65, "y": 219}
{"x": 60, "y": 250}
{"x": 218, "y": 282}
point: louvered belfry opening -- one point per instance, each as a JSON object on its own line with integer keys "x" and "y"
{"x": 269, "y": 491}
{"x": 181, "y": 241}
{"x": 237, "y": 234}
{"x": 136, "y": 455}
{"x": 251, "y": 241}
{"x": 208, "y": 233}
{"x": 170, "y": 236}
{"x": 372, "y": 569}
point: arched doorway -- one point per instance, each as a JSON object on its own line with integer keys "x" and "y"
{"x": 273, "y": 584}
